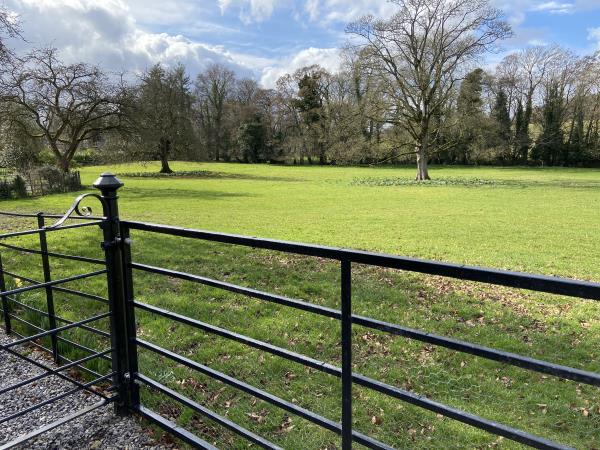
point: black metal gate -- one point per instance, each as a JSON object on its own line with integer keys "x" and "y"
{"x": 51, "y": 339}
{"x": 126, "y": 378}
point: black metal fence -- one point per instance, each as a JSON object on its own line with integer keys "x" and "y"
{"x": 127, "y": 378}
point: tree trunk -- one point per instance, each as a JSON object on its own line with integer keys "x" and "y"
{"x": 422, "y": 170}
{"x": 64, "y": 164}
{"x": 528, "y": 113}
{"x": 164, "y": 156}
{"x": 164, "y": 163}
{"x": 421, "y": 151}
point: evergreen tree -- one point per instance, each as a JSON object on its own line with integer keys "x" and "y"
{"x": 501, "y": 116}
{"x": 549, "y": 146}
{"x": 310, "y": 105}
{"x": 163, "y": 114}
{"x": 251, "y": 139}
{"x": 470, "y": 114}
{"x": 577, "y": 147}
{"x": 521, "y": 142}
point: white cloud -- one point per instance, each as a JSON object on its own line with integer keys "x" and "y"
{"x": 554, "y": 7}
{"x": 322, "y": 11}
{"x": 537, "y": 42}
{"x": 107, "y": 34}
{"x": 312, "y": 9}
{"x": 251, "y": 10}
{"x": 594, "y": 35}
{"x": 346, "y": 11}
{"x": 516, "y": 10}
{"x": 328, "y": 58}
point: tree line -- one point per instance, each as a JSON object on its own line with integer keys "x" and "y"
{"x": 408, "y": 90}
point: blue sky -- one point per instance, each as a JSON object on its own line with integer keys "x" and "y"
{"x": 260, "y": 38}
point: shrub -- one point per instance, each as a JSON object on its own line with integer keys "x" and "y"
{"x": 5, "y": 188}
{"x": 19, "y": 187}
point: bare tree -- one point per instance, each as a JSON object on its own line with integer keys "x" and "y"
{"x": 67, "y": 104}
{"x": 9, "y": 28}
{"x": 421, "y": 51}
{"x": 212, "y": 90}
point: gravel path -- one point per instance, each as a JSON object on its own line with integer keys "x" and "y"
{"x": 99, "y": 429}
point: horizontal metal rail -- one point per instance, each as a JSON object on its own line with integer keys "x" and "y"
{"x": 248, "y": 435}
{"x": 58, "y": 318}
{"x": 52, "y": 332}
{"x": 81, "y": 294}
{"x": 415, "y": 399}
{"x": 58, "y": 288}
{"x": 36, "y": 231}
{"x": 49, "y": 351}
{"x": 53, "y": 283}
{"x": 53, "y": 254}
{"x": 29, "y": 436}
{"x": 49, "y": 216}
{"x": 56, "y": 398}
{"x": 450, "y": 343}
{"x": 513, "y": 359}
{"x": 278, "y": 351}
{"x": 279, "y": 299}
{"x": 540, "y": 283}
{"x": 263, "y": 395}
{"x": 59, "y": 338}
{"x": 174, "y": 429}
{"x": 58, "y": 374}
{"x": 52, "y": 372}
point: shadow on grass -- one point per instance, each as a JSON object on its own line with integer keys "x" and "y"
{"x": 474, "y": 183}
{"x": 184, "y": 194}
{"x": 199, "y": 174}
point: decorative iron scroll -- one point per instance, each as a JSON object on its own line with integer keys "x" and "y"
{"x": 84, "y": 211}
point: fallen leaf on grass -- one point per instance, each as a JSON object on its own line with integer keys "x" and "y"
{"x": 286, "y": 426}
{"x": 375, "y": 420}
{"x": 258, "y": 417}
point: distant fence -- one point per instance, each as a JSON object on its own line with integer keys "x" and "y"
{"x": 35, "y": 184}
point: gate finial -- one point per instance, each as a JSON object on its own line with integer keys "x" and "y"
{"x": 108, "y": 182}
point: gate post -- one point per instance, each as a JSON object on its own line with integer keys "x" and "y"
{"x": 108, "y": 184}
{"x": 49, "y": 291}
{"x": 5, "y": 308}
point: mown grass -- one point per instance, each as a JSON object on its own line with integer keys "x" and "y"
{"x": 538, "y": 220}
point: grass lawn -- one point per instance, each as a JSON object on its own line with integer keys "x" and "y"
{"x": 536, "y": 220}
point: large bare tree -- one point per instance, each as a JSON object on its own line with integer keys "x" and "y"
{"x": 213, "y": 88}
{"x": 10, "y": 27}
{"x": 422, "y": 52}
{"x": 67, "y": 104}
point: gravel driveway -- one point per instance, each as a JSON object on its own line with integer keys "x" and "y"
{"x": 99, "y": 429}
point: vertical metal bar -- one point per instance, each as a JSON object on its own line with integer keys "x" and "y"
{"x": 132, "y": 357}
{"x": 346, "y": 294}
{"x": 108, "y": 185}
{"x": 49, "y": 290}
{"x": 5, "y": 311}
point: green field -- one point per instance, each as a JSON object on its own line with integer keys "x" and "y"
{"x": 536, "y": 220}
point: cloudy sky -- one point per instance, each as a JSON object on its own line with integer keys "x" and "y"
{"x": 263, "y": 39}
